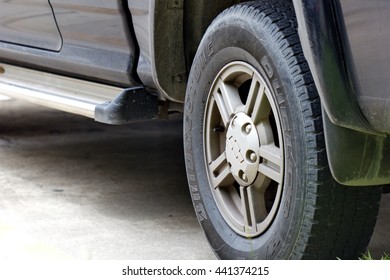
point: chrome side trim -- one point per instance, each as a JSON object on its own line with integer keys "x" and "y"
{"x": 54, "y": 91}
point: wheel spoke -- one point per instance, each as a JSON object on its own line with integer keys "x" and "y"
{"x": 271, "y": 163}
{"x": 255, "y": 89}
{"x": 261, "y": 184}
{"x": 257, "y": 105}
{"x": 253, "y": 206}
{"x": 227, "y": 99}
{"x": 220, "y": 172}
{"x": 264, "y": 130}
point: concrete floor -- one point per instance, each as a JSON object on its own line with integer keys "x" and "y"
{"x": 71, "y": 188}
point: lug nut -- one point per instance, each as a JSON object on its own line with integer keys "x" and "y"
{"x": 244, "y": 177}
{"x": 234, "y": 122}
{"x": 248, "y": 128}
{"x": 253, "y": 157}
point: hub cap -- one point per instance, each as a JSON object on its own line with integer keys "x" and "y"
{"x": 243, "y": 148}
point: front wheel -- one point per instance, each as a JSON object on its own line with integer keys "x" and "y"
{"x": 254, "y": 146}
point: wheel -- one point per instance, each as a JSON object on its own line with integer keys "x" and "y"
{"x": 254, "y": 146}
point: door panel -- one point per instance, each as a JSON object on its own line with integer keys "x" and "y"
{"x": 29, "y": 23}
{"x": 91, "y": 23}
{"x": 97, "y": 43}
{"x": 98, "y": 34}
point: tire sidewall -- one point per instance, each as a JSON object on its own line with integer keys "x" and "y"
{"x": 241, "y": 40}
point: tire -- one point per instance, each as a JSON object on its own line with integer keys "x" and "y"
{"x": 254, "y": 146}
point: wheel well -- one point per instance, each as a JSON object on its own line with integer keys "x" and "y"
{"x": 198, "y": 15}
{"x": 179, "y": 26}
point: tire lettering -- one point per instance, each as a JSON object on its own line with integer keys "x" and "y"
{"x": 267, "y": 67}
{"x": 285, "y": 120}
{"x": 195, "y": 196}
{"x": 273, "y": 246}
{"x": 200, "y": 212}
{"x": 289, "y": 184}
{"x": 278, "y": 91}
{"x": 289, "y": 187}
{"x": 189, "y": 107}
{"x": 203, "y": 58}
{"x": 192, "y": 181}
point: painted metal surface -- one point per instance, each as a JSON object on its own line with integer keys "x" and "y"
{"x": 29, "y": 23}
{"x": 368, "y": 30}
{"x": 356, "y": 147}
{"x": 98, "y": 43}
{"x": 321, "y": 32}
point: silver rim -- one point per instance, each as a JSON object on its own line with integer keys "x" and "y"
{"x": 243, "y": 149}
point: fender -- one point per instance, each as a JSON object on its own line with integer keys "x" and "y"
{"x": 168, "y": 34}
{"x": 356, "y": 151}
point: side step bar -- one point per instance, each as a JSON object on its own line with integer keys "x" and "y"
{"x": 107, "y": 104}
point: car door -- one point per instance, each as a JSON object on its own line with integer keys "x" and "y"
{"x": 91, "y": 39}
{"x": 29, "y": 23}
{"x": 97, "y": 39}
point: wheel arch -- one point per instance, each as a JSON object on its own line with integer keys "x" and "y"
{"x": 168, "y": 33}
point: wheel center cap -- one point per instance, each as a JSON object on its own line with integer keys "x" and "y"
{"x": 242, "y": 149}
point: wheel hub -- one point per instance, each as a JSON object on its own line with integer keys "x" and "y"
{"x": 242, "y": 146}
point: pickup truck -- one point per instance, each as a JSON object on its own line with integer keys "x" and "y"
{"x": 285, "y": 104}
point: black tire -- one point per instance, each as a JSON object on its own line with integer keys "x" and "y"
{"x": 316, "y": 218}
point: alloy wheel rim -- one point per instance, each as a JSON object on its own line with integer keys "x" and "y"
{"x": 243, "y": 149}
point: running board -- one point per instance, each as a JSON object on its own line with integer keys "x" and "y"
{"x": 107, "y": 104}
